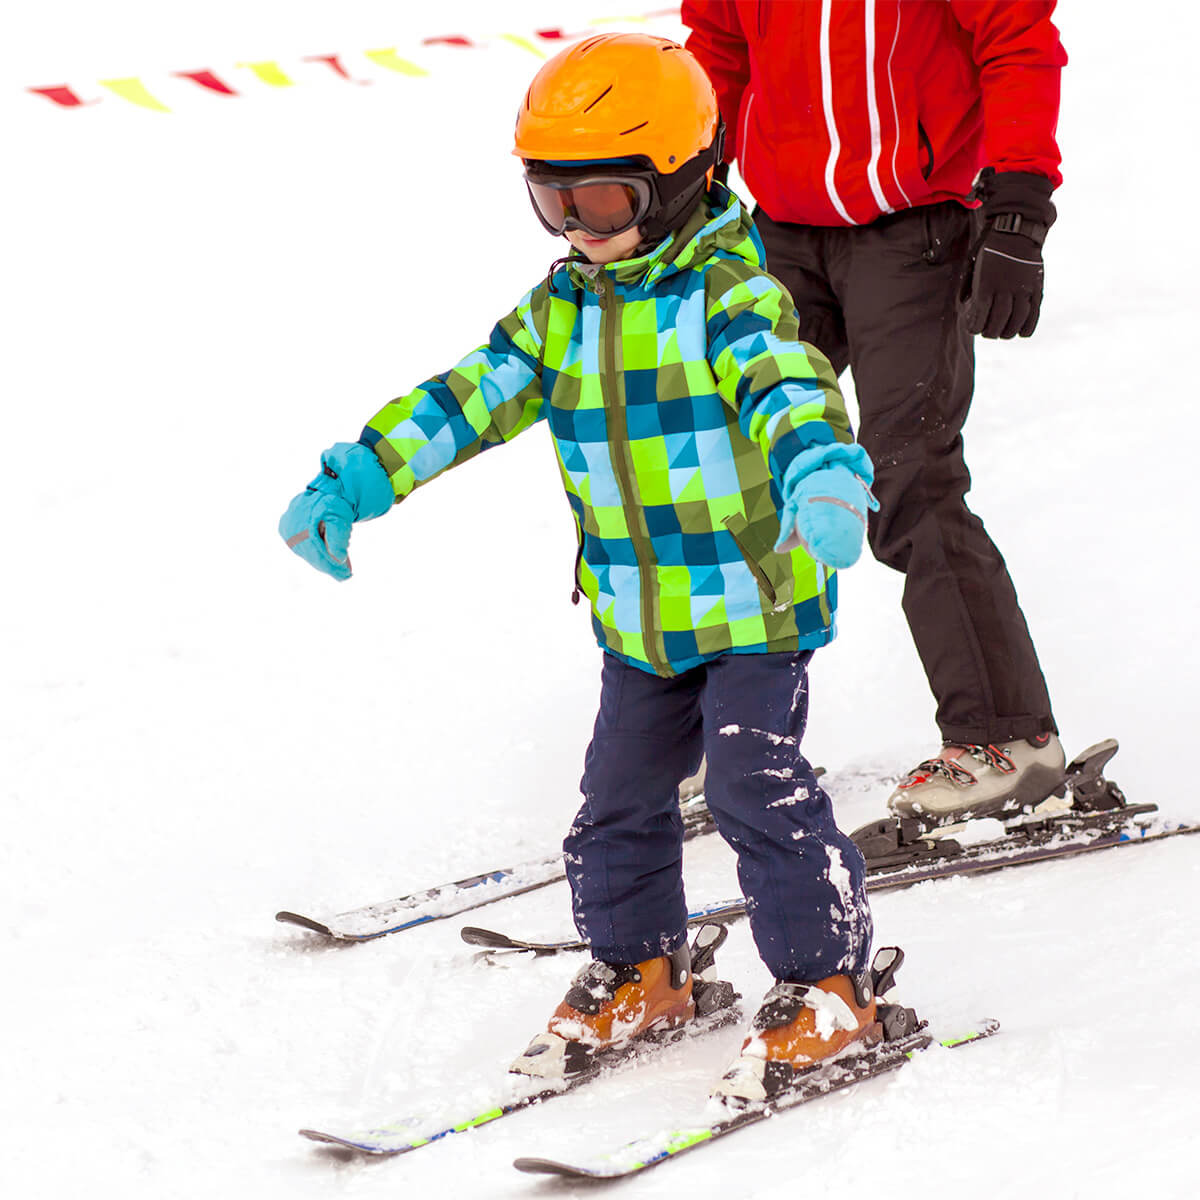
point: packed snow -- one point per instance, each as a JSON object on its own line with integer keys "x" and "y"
{"x": 199, "y": 730}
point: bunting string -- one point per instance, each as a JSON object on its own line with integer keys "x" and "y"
{"x": 245, "y": 77}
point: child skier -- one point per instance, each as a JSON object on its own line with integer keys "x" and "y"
{"x": 709, "y": 465}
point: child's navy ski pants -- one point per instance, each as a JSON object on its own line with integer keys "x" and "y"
{"x": 804, "y": 879}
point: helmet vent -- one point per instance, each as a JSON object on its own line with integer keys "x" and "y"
{"x": 633, "y": 128}
{"x": 599, "y": 98}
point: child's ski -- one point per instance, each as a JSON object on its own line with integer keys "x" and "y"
{"x": 715, "y": 1006}
{"x": 1030, "y": 840}
{"x": 411, "y": 1133}
{"x": 722, "y": 1118}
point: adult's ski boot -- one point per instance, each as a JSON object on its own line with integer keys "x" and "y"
{"x": 964, "y": 782}
{"x": 612, "y": 1007}
{"x": 800, "y": 1026}
{"x": 1078, "y": 799}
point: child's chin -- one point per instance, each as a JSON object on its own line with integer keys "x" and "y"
{"x": 595, "y": 248}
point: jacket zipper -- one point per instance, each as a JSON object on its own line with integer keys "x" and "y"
{"x": 619, "y": 440}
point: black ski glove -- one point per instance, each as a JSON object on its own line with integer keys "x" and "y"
{"x": 1002, "y": 293}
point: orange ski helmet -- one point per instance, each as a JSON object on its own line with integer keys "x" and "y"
{"x": 619, "y": 95}
{"x": 626, "y": 102}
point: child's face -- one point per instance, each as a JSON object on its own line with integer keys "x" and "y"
{"x": 605, "y": 250}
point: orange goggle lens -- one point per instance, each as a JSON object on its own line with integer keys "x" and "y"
{"x": 602, "y": 207}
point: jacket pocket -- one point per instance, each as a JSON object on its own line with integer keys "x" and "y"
{"x": 924, "y": 153}
{"x": 577, "y": 591}
{"x": 945, "y": 232}
{"x": 771, "y": 571}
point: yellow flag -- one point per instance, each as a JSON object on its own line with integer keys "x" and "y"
{"x": 389, "y": 59}
{"x": 269, "y": 72}
{"x": 524, "y": 43}
{"x": 134, "y": 90}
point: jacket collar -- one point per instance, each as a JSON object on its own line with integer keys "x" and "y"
{"x": 718, "y": 222}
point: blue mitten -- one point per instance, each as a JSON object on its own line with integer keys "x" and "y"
{"x": 827, "y": 492}
{"x": 352, "y": 486}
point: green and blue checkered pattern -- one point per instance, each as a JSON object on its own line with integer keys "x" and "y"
{"x": 677, "y": 394}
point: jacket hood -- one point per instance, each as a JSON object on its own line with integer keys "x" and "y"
{"x": 718, "y": 222}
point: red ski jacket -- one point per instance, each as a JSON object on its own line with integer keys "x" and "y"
{"x": 839, "y": 111}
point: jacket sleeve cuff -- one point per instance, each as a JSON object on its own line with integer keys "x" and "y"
{"x": 1020, "y": 192}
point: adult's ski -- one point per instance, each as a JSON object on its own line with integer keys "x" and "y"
{"x": 720, "y": 911}
{"x": 716, "y": 1007}
{"x": 722, "y": 1118}
{"x": 899, "y": 851}
{"x": 449, "y": 899}
{"x": 900, "y": 863}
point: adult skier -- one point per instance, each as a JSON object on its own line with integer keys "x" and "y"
{"x": 866, "y": 130}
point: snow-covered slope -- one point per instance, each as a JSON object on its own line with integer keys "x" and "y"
{"x": 197, "y": 730}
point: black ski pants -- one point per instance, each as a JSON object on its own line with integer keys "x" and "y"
{"x": 883, "y": 300}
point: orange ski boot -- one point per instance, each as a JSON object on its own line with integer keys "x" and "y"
{"x": 612, "y": 1005}
{"x": 798, "y": 1026}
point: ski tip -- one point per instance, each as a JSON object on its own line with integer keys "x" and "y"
{"x": 291, "y": 918}
{"x": 983, "y": 1029}
{"x": 315, "y": 1135}
{"x": 474, "y": 936}
{"x": 341, "y": 1143}
{"x": 548, "y": 1166}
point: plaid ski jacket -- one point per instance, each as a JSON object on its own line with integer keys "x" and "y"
{"x": 676, "y": 394}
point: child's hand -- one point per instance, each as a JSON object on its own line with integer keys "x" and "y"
{"x": 317, "y": 527}
{"x": 352, "y": 486}
{"x": 826, "y": 513}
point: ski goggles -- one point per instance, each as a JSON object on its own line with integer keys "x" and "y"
{"x": 601, "y": 203}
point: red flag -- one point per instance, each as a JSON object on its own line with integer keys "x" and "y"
{"x": 61, "y": 95}
{"x": 334, "y": 61}
{"x": 206, "y": 79}
{"x": 558, "y": 35}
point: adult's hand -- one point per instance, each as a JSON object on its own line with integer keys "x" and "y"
{"x": 1003, "y": 294}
